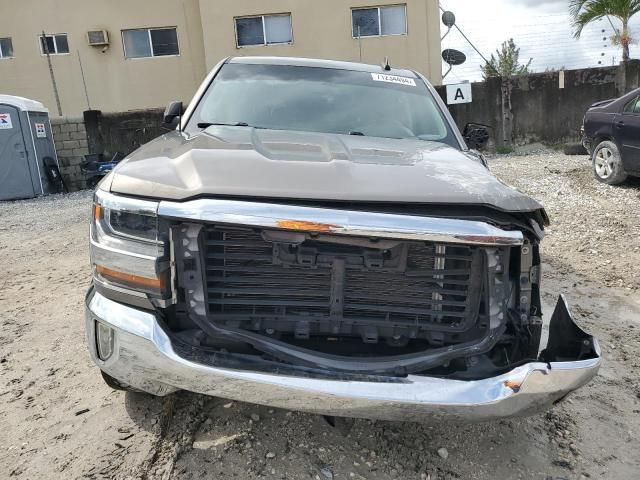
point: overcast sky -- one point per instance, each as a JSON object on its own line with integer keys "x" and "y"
{"x": 541, "y": 28}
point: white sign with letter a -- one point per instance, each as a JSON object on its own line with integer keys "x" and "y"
{"x": 460, "y": 93}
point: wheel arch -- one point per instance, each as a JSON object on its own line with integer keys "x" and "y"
{"x": 603, "y": 137}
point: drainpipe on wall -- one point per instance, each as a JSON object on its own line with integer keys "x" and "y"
{"x": 84, "y": 81}
{"x": 92, "y": 120}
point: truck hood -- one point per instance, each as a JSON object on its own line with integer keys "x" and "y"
{"x": 247, "y": 162}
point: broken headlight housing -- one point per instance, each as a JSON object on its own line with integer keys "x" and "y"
{"x": 128, "y": 246}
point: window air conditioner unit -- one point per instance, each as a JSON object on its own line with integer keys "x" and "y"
{"x": 98, "y": 38}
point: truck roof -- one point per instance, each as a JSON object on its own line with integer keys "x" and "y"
{"x": 319, "y": 63}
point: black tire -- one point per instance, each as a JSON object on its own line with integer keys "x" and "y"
{"x": 607, "y": 163}
{"x": 116, "y": 384}
{"x": 575, "y": 149}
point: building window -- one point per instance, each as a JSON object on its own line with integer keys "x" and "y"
{"x": 57, "y": 44}
{"x": 378, "y": 21}
{"x": 264, "y": 30}
{"x": 150, "y": 42}
{"x": 6, "y": 48}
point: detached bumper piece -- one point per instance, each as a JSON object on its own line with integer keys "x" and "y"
{"x": 143, "y": 356}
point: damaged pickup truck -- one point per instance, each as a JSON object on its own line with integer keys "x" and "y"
{"x": 318, "y": 236}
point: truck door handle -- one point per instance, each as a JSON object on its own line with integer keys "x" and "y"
{"x": 620, "y": 124}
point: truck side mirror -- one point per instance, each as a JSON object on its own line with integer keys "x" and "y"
{"x": 172, "y": 115}
{"x": 476, "y": 135}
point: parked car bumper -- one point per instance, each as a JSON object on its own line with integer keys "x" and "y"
{"x": 144, "y": 358}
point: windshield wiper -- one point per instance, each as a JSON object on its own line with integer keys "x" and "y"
{"x": 208, "y": 124}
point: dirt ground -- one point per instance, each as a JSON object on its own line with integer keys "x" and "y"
{"x": 59, "y": 420}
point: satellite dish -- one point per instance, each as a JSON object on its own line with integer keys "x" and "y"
{"x": 453, "y": 57}
{"x": 449, "y": 19}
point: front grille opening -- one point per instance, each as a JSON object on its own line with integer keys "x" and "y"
{"x": 338, "y": 296}
{"x": 433, "y": 289}
{"x": 243, "y": 282}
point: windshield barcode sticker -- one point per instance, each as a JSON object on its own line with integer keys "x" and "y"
{"x": 380, "y": 77}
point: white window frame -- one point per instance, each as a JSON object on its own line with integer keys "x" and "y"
{"x": 149, "y": 29}
{"x": 55, "y": 44}
{"x": 379, "y": 7}
{"x": 264, "y": 30}
{"x": 2, "y": 55}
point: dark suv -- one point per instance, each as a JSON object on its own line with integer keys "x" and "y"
{"x": 612, "y": 136}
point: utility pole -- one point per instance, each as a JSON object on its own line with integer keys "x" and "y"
{"x": 45, "y": 46}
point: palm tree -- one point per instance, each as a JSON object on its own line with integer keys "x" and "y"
{"x": 586, "y": 11}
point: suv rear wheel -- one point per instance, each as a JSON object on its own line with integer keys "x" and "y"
{"x": 607, "y": 164}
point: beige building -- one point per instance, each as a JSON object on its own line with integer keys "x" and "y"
{"x": 137, "y": 54}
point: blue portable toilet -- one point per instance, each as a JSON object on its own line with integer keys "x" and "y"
{"x": 28, "y": 162}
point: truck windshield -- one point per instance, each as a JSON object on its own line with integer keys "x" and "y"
{"x": 322, "y": 100}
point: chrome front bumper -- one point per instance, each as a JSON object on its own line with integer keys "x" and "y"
{"x": 144, "y": 358}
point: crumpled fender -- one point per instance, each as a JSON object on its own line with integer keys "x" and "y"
{"x": 567, "y": 341}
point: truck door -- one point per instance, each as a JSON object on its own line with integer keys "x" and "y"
{"x": 15, "y": 176}
{"x": 627, "y": 129}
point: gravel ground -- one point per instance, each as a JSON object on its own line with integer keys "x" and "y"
{"x": 595, "y": 227}
{"x": 59, "y": 420}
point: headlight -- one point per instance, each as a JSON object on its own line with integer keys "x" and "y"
{"x": 133, "y": 225}
{"x": 128, "y": 250}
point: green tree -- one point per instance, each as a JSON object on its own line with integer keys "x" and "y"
{"x": 585, "y": 12}
{"x": 507, "y": 64}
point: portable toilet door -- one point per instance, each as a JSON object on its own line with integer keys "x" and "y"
{"x": 25, "y": 141}
{"x": 44, "y": 147}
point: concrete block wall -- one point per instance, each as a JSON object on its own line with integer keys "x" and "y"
{"x": 70, "y": 137}
{"x": 122, "y": 132}
{"x": 543, "y": 108}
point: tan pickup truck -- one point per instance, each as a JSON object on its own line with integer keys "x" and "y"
{"x": 319, "y": 236}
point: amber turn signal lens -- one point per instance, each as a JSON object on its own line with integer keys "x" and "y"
{"x": 513, "y": 385}
{"x": 306, "y": 226}
{"x": 132, "y": 280}
{"x": 97, "y": 211}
